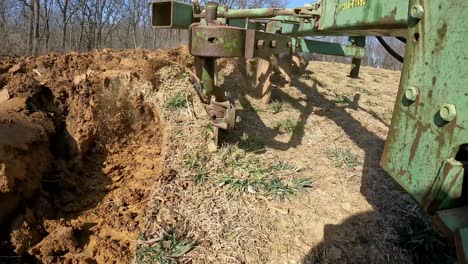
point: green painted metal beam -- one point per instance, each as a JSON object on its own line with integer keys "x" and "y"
{"x": 171, "y": 14}
{"x": 356, "y": 62}
{"x": 430, "y": 121}
{"x": 327, "y": 48}
{"x": 364, "y": 17}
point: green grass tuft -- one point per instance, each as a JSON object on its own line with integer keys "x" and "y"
{"x": 277, "y": 106}
{"x": 176, "y": 102}
{"x": 167, "y": 249}
{"x": 370, "y": 103}
{"x": 342, "y": 158}
{"x": 365, "y": 91}
{"x": 253, "y": 143}
{"x": 286, "y": 126}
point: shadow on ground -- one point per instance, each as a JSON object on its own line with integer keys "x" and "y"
{"x": 415, "y": 240}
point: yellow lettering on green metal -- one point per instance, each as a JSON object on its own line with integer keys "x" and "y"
{"x": 351, "y": 4}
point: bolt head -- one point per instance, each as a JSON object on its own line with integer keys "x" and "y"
{"x": 417, "y": 11}
{"x": 448, "y": 112}
{"x": 273, "y": 44}
{"x": 411, "y": 93}
{"x": 260, "y": 43}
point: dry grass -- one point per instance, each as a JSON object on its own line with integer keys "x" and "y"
{"x": 233, "y": 201}
{"x": 168, "y": 248}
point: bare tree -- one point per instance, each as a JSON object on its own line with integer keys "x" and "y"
{"x": 39, "y": 26}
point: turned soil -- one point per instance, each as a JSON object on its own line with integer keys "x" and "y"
{"x": 80, "y": 151}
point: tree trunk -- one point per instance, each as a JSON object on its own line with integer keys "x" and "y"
{"x": 37, "y": 9}
{"x": 31, "y": 27}
{"x": 64, "y": 24}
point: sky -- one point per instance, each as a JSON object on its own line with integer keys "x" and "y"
{"x": 298, "y": 3}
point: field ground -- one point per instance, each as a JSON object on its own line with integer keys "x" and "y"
{"x": 121, "y": 166}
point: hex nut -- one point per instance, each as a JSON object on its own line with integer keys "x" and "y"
{"x": 448, "y": 112}
{"x": 417, "y": 11}
{"x": 273, "y": 44}
{"x": 260, "y": 43}
{"x": 411, "y": 93}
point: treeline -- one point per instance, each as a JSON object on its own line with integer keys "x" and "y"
{"x": 35, "y": 27}
{"x": 376, "y": 56}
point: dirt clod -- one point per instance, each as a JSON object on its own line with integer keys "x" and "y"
{"x": 80, "y": 151}
{"x": 4, "y": 95}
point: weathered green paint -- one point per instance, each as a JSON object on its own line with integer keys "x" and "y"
{"x": 461, "y": 244}
{"x": 254, "y": 13}
{"x": 446, "y": 191}
{"x": 211, "y": 41}
{"x": 240, "y": 23}
{"x": 208, "y": 76}
{"x": 369, "y": 16}
{"x": 172, "y": 14}
{"x": 320, "y": 47}
{"x": 297, "y": 29}
{"x": 449, "y": 221}
{"x": 356, "y": 62}
{"x": 420, "y": 141}
{"x": 411, "y": 93}
{"x": 272, "y": 44}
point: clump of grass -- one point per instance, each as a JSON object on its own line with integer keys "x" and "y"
{"x": 242, "y": 171}
{"x": 201, "y": 176}
{"x": 176, "y": 102}
{"x": 342, "y": 158}
{"x": 281, "y": 190}
{"x": 252, "y": 142}
{"x": 342, "y": 100}
{"x": 370, "y": 103}
{"x": 207, "y": 131}
{"x": 166, "y": 249}
{"x": 247, "y": 185}
{"x": 284, "y": 166}
{"x": 196, "y": 161}
{"x": 246, "y": 173}
{"x": 273, "y": 187}
{"x": 365, "y": 91}
{"x": 286, "y": 126}
{"x": 277, "y": 106}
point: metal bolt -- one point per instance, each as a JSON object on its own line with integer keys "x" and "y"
{"x": 417, "y": 11}
{"x": 260, "y": 43}
{"x": 448, "y": 112}
{"x": 411, "y": 93}
{"x": 273, "y": 44}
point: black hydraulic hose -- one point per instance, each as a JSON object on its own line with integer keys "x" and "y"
{"x": 401, "y": 39}
{"x": 394, "y": 54}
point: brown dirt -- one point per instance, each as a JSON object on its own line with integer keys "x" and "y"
{"x": 80, "y": 151}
